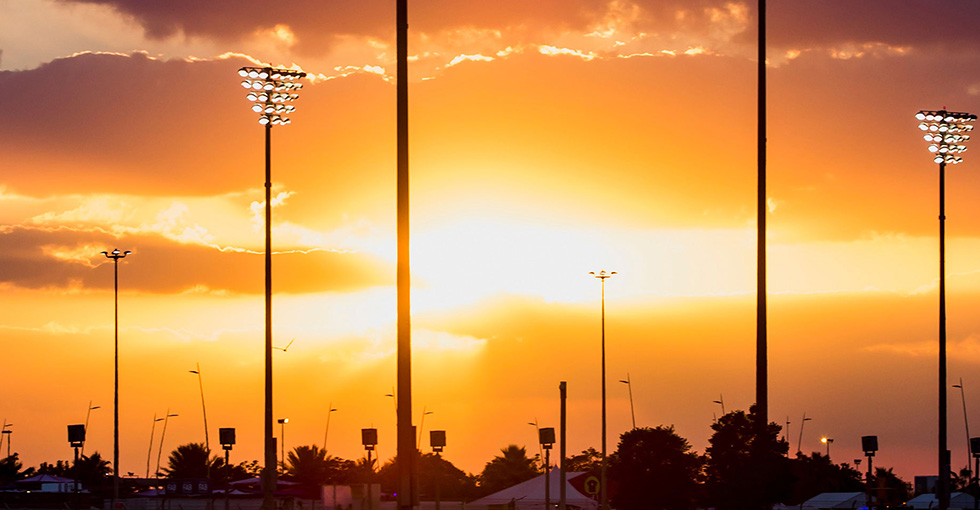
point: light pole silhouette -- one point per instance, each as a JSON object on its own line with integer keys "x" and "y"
{"x": 87, "y": 414}
{"x": 270, "y": 89}
{"x": 629, "y": 386}
{"x": 282, "y": 437}
{"x": 163, "y": 434}
{"x": 966, "y": 421}
{"x": 604, "y": 504}
{"x": 200, "y": 383}
{"x": 153, "y": 428}
{"x": 115, "y": 255}
{"x": 799, "y": 443}
{"x": 327, "y": 430}
{"x": 946, "y": 132}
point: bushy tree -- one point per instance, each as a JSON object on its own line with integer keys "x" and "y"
{"x": 746, "y": 466}
{"x": 10, "y": 469}
{"x": 889, "y": 489}
{"x": 816, "y": 474}
{"x": 454, "y": 484}
{"x": 654, "y": 462}
{"x": 510, "y": 468}
{"x": 589, "y": 460}
{"x": 92, "y": 471}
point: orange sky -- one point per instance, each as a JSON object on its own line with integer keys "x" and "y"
{"x": 548, "y": 139}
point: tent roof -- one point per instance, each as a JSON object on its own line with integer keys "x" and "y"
{"x": 532, "y": 492}
{"x": 835, "y": 500}
{"x": 956, "y": 500}
{"x": 45, "y": 479}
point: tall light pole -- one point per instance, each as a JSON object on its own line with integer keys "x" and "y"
{"x": 945, "y": 132}
{"x": 604, "y": 504}
{"x": 153, "y": 428}
{"x": 270, "y": 89}
{"x": 799, "y": 443}
{"x": 761, "y": 327}
{"x": 163, "y": 434}
{"x": 3, "y": 434}
{"x": 200, "y": 384}
{"x": 87, "y": 414}
{"x": 422, "y": 427}
{"x": 721, "y": 402}
{"x": 966, "y": 421}
{"x": 629, "y": 386}
{"x": 327, "y": 430}
{"x": 407, "y": 452}
{"x": 282, "y": 441}
{"x": 115, "y": 255}
{"x": 537, "y": 431}
{"x": 10, "y": 435}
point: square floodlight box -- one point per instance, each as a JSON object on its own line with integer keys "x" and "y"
{"x": 869, "y": 444}
{"x": 437, "y": 439}
{"x": 546, "y": 436}
{"x": 226, "y": 437}
{"x": 76, "y": 435}
{"x": 369, "y": 438}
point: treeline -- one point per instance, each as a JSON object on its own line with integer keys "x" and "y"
{"x": 745, "y": 467}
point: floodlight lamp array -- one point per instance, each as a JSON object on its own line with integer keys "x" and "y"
{"x": 269, "y": 89}
{"x": 946, "y": 133}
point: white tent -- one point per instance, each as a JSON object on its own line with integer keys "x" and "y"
{"x": 833, "y": 500}
{"x": 956, "y": 500}
{"x": 529, "y": 495}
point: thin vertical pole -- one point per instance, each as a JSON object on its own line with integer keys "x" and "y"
{"x": 115, "y": 406}
{"x": 942, "y": 488}
{"x": 406, "y": 452}
{"x": 269, "y": 471}
{"x": 562, "y": 391}
{"x": 547, "y": 478}
{"x": 602, "y": 473}
{"x": 761, "y": 356}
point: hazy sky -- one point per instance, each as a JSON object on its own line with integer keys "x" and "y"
{"x": 548, "y": 139}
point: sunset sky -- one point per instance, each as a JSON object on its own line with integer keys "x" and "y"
{"x": 548, "y": 138}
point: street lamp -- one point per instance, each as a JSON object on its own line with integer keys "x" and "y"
{"x": 200, "y": 384}
{"x": 869, "y": 444}
{"x": 437, "y": 440}
{"x": 3, "y": 434}
{"x": 163, "y": 434}
{"x": 149, "y": 452}
{"x": 827, "y": 441}
{"x": 10, "y": 435}
{"x": 630, "y": 387}
{"x": 602, "y": 276}
{"x": 422, "y": 427}
{"x": 282, "y": 441}
{"x": 945, "y": 132}
{"x": 270, "y": 89}
{"x": 799, "y": 443}
{"x": 966, "y": 422}
{"x": 115, "y": 255}
{"x": 721, "y": 402}
{"x": 87, "y": 414}
{"x": 546, "y": 438}
{"x": 327, "y": 430}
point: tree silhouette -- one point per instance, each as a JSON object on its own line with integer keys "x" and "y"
{"x": 308, "y": 465}
{"x": 746, "y": 467}
{"x": 589, "y": 460}
{"x": 816, "y": 474}
{"x": 10, "y": 469}
{"x": 190, "y": 461}
{"x": 510, "y": 468}
{"x": 889, "y": 488}
{"x": 654, "y": 461}
{"x": 92, "y": 471}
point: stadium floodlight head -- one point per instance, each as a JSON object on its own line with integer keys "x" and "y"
{"x": 269, "y": 88}
{"x": 946, "y": 131}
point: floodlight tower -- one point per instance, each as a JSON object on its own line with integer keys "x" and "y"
{"x": 270, "y": 89}
{"x": 946, "y": 132}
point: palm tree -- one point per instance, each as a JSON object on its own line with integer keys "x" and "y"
{"x": 308, "y": 465}
{"x": 190, "y": 461}
{"x": 511, "y": 468}
{"x": 92, "y": 471}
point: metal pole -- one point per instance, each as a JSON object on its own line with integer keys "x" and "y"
{"x": 966, "y": 422}
{"x": 269, "y": 471}
{"x": 200, "y": 383}
{"x": 602, "y": 476}
{"x": 547, "y": 479}
{"x": 976, "y": 481}
{"x": 561, "y": 463}
{"x": 867, "y": 485}
{"x": 115, "y": 406}
{"x": 761, "y": 356}
{"x": 942, "y": 487}
{"x": 406, "y": 452}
